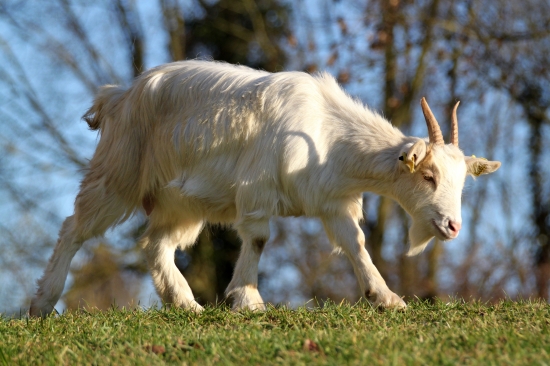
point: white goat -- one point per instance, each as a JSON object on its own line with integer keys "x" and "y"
{"x": 194, "y": 142}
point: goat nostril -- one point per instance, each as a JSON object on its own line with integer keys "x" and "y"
{"x": 454, "y": 226}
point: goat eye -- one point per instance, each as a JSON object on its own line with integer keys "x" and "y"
{"x": 429, "y": 178}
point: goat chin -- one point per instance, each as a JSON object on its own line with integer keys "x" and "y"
{"x": 419, "y": 238}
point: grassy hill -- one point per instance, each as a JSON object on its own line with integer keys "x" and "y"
{"x": 508, "y": 333}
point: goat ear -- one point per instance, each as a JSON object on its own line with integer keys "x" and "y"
{"x": 413, "y": 154}
{"x": 479, "y": 166}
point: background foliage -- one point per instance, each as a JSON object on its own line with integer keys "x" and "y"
{"x": 492, "y": 56}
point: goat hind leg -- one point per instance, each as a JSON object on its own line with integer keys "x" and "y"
{"x": 51, "y": 285}
{"x": 159, "y": 245}
{"x": 96, "y": 209}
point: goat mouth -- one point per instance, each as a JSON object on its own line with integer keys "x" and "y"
{"x": 442, "y": 234}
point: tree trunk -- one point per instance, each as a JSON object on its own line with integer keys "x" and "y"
{"x": 541, "y": 214}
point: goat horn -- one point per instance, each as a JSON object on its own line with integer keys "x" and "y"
{"x": 434, "y": 132}
{"x": 454, "y": 126}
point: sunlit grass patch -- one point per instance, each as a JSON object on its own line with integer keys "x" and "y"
{"x": 442, "y": 333}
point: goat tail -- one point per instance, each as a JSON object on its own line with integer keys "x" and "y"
{"x": 105, "y": 101}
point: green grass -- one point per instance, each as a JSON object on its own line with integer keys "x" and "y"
{"x": 508, "y": 333}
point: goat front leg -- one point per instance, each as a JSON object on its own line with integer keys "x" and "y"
{"x": 346, "y": 234}
{"x": 243, "y": 289}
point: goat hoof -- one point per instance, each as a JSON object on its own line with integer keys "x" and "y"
{"x": 37, "y": 311}
{"x": 246, "y": 298}
{"x": 195, "y": 307}
{"x": 251, "y": 307}
{"x": 389, "y": 301}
